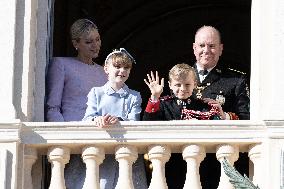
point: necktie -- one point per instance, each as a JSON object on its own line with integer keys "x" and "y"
{"x": 203, "y": 72}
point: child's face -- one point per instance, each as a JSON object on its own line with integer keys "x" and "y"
{"x": 117, "y": 73}
{"x": 182, "y": 87}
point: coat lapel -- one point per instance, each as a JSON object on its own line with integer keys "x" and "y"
{"x": 213, "y": 76}
{"x": 197, "y": 75}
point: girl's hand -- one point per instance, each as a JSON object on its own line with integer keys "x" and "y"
{"x": 215, "y": 104}
{"x": 105, "y": 121}
{"x": 154, "y": 84}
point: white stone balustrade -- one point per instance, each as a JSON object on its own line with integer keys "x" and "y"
{"x": 25, "y": 48}
{"x": 158, "y": 155}
{"x": 231, "y": 153}
{"x": 157, "y": 139}
{"x": 125, "y": 155}
{"x": 30, "y": 156}
{"x": 193, "y": 155}
{"x": 93, "y": 156}
{"x": 58, "y": 156}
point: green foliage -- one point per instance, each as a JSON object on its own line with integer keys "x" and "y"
{"x": 237, "y": 180}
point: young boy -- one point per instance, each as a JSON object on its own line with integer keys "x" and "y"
{"x": 115, "y": 102}
{"x": 180, "y": 105}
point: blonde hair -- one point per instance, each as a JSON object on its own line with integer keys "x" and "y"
{"x": 119, "y": 58}
{"x": 81, "y": 27}
{"x": 181, "y": 71}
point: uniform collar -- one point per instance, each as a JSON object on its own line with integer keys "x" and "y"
{"x": 198, "y": 68}
{"x": 211, "y": 77}
{"x": 182, "y": 102}
{"x": 124, "y": 91}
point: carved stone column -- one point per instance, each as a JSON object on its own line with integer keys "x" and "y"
{"x": 30, "y": 156}
{"x": 193, "y": 155}
{"x": 158, "y": 155}
{"x": 92, "y": 156}
{"x": 58, "y": 157}
{"x": 125, "y": 155}
{"x": 255, "y": 157}
{"x": 231, "y": 153}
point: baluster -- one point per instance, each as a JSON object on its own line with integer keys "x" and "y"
{"x": 92, "y": 156}
{"x": 58, "y": 157}
{"x": 158, "y": 155}
{"x": 30, "y": 156}
{"x": 255, "y": 157}
{"x": 231, "y": 153}
{"x": 125, "y": 155}
{"x": 193, "y": 155}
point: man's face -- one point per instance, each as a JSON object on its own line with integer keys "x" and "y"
{"x": 207, "y": 48}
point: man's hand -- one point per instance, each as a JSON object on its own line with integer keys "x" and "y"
{"x": 216, "y": 104}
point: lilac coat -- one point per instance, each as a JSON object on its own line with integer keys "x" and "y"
{"x": 68, "y": 83}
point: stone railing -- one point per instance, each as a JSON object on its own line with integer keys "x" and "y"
{"x": 24, "y": 144}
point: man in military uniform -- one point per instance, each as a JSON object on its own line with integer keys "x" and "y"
{"x": 227, "y": 86}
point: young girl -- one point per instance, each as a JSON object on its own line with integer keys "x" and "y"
{"x": 180, "y": 105}
{"x": 115, "y": 102}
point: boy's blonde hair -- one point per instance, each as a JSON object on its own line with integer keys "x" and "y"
{"x": 120, "y": 58}
{"x": 181, "y": 71}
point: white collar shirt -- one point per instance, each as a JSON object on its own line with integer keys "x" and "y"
{"x": 202, "y": 77}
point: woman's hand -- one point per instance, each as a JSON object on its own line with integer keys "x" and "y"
{"x": 105, "y": 121}
{"x": 154, "y": 84}
{"x": 217, "y": 105}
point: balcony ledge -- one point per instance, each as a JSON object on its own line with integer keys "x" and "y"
{"x": 144, "y": 133}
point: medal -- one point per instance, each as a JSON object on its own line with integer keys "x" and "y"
{"x": 179, "y": 102}
{"x": 200, "y": 89}
{"x": 220, "y": 98}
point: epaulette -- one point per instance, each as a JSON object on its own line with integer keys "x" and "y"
{"x": 165, "y": 98}
{"x": 237, "y": 71}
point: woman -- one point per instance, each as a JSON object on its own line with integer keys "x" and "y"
{"x": 69, "y": 81}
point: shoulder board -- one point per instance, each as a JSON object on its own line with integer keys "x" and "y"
{"x": 164, "y": 98}
{"x": 237, "y": 71}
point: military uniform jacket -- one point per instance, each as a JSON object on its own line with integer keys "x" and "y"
{"x": 229, "y": 87}
{"x": 170, "y": 108}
